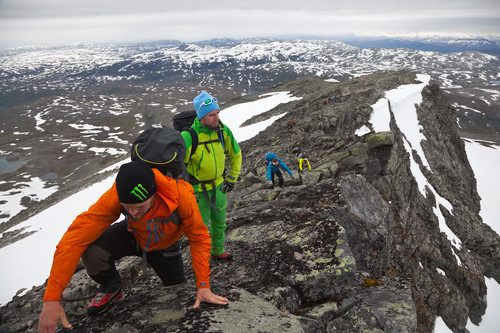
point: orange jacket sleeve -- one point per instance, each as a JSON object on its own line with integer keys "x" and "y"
{"x": 197, "y": 233}
{"x": 85, "y": 229}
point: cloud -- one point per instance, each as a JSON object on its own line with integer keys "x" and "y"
{"x": 57, "y": 8}
{"x": 61, "y": 21}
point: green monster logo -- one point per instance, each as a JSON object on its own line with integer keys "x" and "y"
{"x": 140, "y": 192}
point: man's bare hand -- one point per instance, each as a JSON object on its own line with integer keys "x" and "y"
{"x": 52, "y": 312}
{"x": 206, "y": 295}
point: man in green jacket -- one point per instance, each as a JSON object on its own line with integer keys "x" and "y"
{"x": 206, "y": 167}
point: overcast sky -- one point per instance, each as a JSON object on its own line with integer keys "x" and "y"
{"x": 27, "y": 22}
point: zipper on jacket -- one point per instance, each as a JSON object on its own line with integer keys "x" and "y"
{"x": 214, "y": 155}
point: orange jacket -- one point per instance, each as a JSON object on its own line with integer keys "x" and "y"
{"x": 88, "y": 226}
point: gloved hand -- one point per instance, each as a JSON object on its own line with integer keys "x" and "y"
{"x": 227, "y": 187}
{"x": 270, "y": 183}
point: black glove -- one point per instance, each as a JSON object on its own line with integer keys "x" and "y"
{"x": 227, "y": 187}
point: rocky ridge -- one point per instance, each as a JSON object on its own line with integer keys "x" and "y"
{"x": 350, "y": 246}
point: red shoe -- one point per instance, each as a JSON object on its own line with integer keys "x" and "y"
{"x": 101, "y": 302}
{"x": 226, "y": 255}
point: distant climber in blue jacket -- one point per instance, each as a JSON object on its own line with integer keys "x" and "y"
{"x": 273, "y": 168}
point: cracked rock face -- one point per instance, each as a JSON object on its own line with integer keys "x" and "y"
{"x": 351, "y": 246}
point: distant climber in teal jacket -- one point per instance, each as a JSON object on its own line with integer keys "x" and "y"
{"x": 273, "y": 168}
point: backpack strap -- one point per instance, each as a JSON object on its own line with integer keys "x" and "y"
{"x": 220, "y": 134}
{"x": 194, "y": 141}
{"x": 220, "y": 138}
{"x": 194, "y": 181}
{"x": 173, "y": 250}
{"x": 211, "y": 202}
{"x": 203, "y": 185}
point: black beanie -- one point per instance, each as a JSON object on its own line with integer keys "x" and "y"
{"x": 135, "y": 182}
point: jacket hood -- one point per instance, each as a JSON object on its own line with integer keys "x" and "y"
{"x": 270, "y": 156}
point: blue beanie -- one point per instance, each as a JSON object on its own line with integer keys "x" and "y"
{"x": 204, "y": 109}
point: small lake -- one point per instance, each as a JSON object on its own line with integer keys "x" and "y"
{"x": 10, "y": 166}
{"x": 49, "y": 176}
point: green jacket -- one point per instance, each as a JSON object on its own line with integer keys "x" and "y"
{"x": 209, "y": 160}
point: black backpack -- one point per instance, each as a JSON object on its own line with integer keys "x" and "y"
{"x": 183, "y": 122}
{"x": 162, "y": 148}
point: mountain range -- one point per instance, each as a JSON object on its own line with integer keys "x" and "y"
{"x": 444, "y": 45}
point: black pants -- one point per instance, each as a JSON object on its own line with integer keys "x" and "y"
{"x": 280, "y": 177}
{"x": 117, "y": 242}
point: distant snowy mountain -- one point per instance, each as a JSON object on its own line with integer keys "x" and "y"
{"x": 444, "y": 45}
{"x": 239, "y": 66}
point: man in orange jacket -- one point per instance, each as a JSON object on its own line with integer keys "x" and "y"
{"x": 158, "y": 211}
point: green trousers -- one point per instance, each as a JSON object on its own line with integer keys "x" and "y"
{"x": 213, "y": 219}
